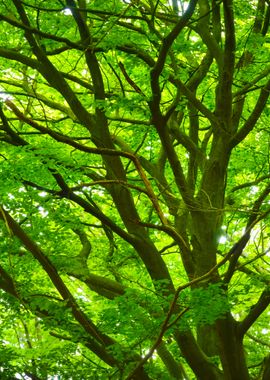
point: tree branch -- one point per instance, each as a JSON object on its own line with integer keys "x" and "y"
{"x": 224, "y": 89}
{"x": 49, "y": 268}
{"x": 32, "y": 30}
{"x": 253, "y": 118}
{"x": 6, "y": 282}
{"x": 258, "y": 340}
{"x": 237, "y": 249}
{"x": 251, "y": 84}
{"x": 249, "y": 184}
{"x": 159, "y": 65}
{"x": 166, "y": 323}
{"x": 255, "y": 311}
{"x": 129, "y": 80}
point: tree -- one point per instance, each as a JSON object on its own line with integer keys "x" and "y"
{"x": 135, "y": 189}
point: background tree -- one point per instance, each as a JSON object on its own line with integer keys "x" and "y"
{"x": 135, "y": 189}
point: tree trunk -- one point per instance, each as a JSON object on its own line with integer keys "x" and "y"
{"x": 231, "y": 350}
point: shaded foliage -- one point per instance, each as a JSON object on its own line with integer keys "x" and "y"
{"x": 134, "y": 189}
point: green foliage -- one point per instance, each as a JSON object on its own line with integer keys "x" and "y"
{"x": 207, "y": 305}
{"x": 134, "y": 197}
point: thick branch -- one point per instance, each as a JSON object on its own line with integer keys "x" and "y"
{"x": 72, "y": 328}
{"x": 176, "y": 166}
{"x": 238, "y": 247}
{"x": 104, "y": 151}
{"x": 54, "y": 77}
{"x": 224, "y": 93}
{"x": 197, "y": 103}
{"x": 32, "y": 30}
{"x": 210, "y": 37}
{"x": 90, "y": 56}
{"x": 171, "y": 312}
{"x": 159, "y": 65}
{"x": 169, "y": 39}
{"x": 49, "y": 268}
{"x": 15, "y": 56}
{"x": 255, "y": 311}
{"x": 6, "y": 283}
{"x": 253, "y": 118}
{"x": 15, "y": 138}
{"x": 251, "y": 85}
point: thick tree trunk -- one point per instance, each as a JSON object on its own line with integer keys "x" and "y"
{"x": 197, "y": 360}
{"x": 231, "y": 350}
{"x": 207, "y": 340}
{"x": 175, "y": 369}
